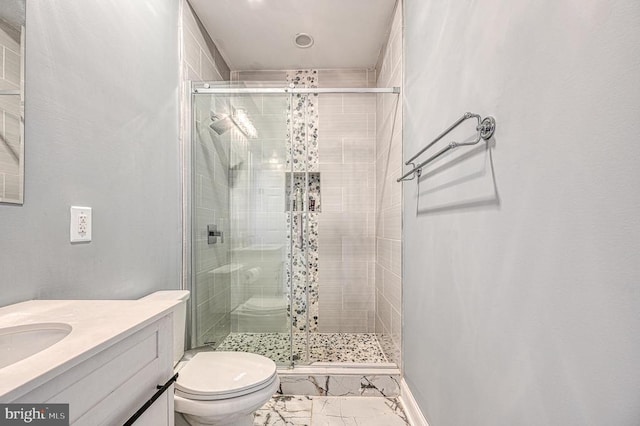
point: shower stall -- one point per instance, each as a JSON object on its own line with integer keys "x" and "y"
{"x": 283, "y": 220}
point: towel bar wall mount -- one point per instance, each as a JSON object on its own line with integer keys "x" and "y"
{"x": 485, "y": 127}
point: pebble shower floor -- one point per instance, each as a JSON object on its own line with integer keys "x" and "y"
{"x": 323, "y": 347}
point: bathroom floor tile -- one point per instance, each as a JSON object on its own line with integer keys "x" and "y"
{"x": 357, "y": 411}
{"x": 285, "y": 410}
{"x": 330, "y": 411}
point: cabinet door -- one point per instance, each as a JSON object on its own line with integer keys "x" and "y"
{"x": 111, "y": 386}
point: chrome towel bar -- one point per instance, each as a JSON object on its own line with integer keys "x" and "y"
{"x": 485, "y": 127}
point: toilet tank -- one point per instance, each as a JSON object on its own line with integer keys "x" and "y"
{"x": 179, "y": 317}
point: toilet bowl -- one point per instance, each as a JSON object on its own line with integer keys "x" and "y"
{"x": 217, "y": 388}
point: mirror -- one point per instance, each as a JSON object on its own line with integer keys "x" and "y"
{"x": 12, "y": 26}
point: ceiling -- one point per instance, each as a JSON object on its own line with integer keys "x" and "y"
{"x": 259, "y": 34}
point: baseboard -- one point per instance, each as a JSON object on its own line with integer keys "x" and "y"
{"x": 410, "y": 406}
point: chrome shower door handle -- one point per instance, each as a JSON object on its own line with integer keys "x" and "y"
{"x": 301, "y": 230}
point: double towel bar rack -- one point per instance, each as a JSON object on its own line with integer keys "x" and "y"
{"x": 485, "y": 128}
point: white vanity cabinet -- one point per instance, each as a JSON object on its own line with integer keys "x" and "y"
{"x": 107, "y": 385}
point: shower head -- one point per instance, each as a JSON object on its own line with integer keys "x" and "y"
{"x": 242, "y": 120}
{"x": 220, "y": 123}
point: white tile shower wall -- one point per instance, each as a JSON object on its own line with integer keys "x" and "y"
{"x": 346, "y": 145}
{"x": 212, "y": 284}
{"x": 388, "y": 281}
{"x": 10, "y": 105}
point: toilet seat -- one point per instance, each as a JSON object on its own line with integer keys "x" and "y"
{"x": 211, "y": 376}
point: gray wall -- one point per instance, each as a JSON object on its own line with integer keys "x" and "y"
{"x": 522, "y": 263}
{"x": 101, "y": 131}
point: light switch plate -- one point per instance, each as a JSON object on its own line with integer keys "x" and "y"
{"x": 80, "y": 224}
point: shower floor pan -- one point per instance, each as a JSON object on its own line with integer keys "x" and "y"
{"x": 323, "y": 347}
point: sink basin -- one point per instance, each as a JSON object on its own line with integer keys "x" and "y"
{"x": 22, "y": 341}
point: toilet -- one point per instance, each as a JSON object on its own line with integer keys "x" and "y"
{"x": 217, "y": 388}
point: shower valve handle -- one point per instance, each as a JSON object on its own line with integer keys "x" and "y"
{"x": 213, "y": 234}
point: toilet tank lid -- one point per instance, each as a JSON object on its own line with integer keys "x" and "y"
{"x": 168, "y": 295}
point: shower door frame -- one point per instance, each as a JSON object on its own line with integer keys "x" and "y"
{"x": 188, "y": 154}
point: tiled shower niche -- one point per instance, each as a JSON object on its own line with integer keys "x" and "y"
{"x": 299, "y": 200}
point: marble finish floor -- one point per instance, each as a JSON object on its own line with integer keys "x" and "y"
{"x": 323, "y": 347}
{"x": 330, "y": 411}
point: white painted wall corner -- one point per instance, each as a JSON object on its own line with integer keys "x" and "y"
{"x": 410, "y": 406}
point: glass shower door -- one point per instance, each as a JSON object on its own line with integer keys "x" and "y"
{"x": 241, "y": 230}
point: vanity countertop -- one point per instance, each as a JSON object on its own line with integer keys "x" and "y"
{"x": 96, "y": 325}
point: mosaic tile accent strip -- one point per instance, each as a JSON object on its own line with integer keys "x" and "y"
{"x": 304, "y": 293}
{"x": 303, "y": 159}
{"x": 313, "y": 284}
{"x": 323, "y": 347}
{"x": 302, "y": 271}
{"x": 303, "y": 122}
{"x": 322, "y": 411}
